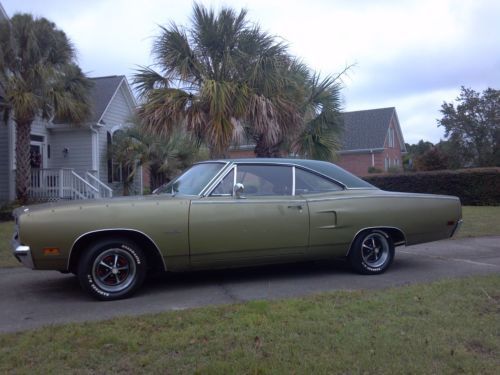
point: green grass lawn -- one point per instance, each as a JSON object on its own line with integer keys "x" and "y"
{"x": 447, "y": 327}
{"x": 6, "y": 258}
{"x": 478, "y": 221}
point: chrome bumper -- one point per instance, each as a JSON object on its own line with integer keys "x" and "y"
{"x": 457, "y": 227}
{"x": 22, "y": 253}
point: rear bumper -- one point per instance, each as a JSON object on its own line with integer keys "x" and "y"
{"x": 22, "y": 253}
{"x": 457, "y": 227}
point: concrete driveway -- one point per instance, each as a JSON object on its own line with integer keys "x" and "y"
{"x": 30, "y": 299}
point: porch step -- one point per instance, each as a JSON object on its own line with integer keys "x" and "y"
{"x": 56, "y": 184}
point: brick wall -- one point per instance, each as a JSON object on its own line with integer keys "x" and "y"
{"x": 239, "y": 154}
{"x": 357, "y": 164}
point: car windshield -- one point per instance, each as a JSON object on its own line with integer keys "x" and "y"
{"x": 192, "y": 181}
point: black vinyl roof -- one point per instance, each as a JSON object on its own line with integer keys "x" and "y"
{"x": 325, "y": 168}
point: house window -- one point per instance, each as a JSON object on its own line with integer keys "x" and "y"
{"x": 390, "y": 137}
{"x": 115, "y": 169}
{"x": 110, "y": 160}
{"x": 37, "y": 151}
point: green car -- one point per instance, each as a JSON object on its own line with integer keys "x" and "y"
{"x": 230, "y": 213}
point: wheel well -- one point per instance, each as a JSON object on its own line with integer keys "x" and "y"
{"x": 395, "y": 234}
{"x": 151, "y": 251}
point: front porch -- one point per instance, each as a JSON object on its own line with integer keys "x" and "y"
{"x": 52, "y": 184}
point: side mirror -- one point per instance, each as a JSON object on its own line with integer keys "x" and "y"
{"x": 238, "y": 190}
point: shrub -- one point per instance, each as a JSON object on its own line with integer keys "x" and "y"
{"x": 475, "y": 187}
{"x": 6, "y": 211}
{"x": 374, "y": 170}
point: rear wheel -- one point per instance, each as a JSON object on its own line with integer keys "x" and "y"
{"x": 112, "y": 269}
{"x": 372, "y": 252}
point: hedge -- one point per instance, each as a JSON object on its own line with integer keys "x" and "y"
{"x": 474, "y": 187}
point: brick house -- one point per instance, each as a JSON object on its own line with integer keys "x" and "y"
{"x": 371, "y": 138}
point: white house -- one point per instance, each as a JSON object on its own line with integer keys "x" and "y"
{"x": 72, "y": 162}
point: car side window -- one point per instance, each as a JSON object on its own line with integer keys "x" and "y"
{"x": 265, "y": 179}
{"x": 225, "y": 187}
{"x": 309, "y": 183}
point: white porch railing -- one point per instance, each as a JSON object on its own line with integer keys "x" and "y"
{"x": 65, "y": 183}
{"x": 104, "y": 190}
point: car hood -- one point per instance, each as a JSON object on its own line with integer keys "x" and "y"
{"x": 56, "y": 206}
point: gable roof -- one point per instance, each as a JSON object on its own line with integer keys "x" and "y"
{"x": 102, "y": 92}
{"x": 365, "y": 130}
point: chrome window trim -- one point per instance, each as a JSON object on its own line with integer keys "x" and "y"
{"x": 272, "y": 165}
{"x": 225, "y": 170}
{"x": 219, "y": 177}
{"x": 203, "y": 193}
{"x": 235, "y": 165}
{"x": 300, "y": 167}
{"x": 116, "y": 229}
{"x": 332, "y": 180}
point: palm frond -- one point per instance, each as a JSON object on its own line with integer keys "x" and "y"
{"x": 147, "y": 79}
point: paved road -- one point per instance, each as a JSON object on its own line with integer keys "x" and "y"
{"x": 30, "y": 299}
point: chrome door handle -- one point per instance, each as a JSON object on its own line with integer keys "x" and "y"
{"x": 298, "y": 207}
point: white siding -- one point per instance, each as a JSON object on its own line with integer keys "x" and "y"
{"x": 78, "y": 141}
{"x": 118, "y": 113}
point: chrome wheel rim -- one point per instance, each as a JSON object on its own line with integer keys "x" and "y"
{"x": 375, "y": 250}
{"x": 114, "y": 270}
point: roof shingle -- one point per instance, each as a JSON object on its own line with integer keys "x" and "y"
{"x": 366, "y": 129}
{"x": 101, "y": 93}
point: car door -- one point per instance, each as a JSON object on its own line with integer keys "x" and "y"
{"x": 267, "y": 223}
{"x": 330, "y": 233}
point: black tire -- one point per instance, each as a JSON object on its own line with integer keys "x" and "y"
{"x": 372, "y": 252}
{"x": 112, "y": 269}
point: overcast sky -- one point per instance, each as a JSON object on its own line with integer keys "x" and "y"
{"x": 412, "y": 55}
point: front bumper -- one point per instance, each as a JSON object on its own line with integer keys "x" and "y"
{"x": 21, "y": 252}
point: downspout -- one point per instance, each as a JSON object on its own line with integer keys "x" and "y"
{"x": 97, "y": 161}
{"x": 373, "y": 157}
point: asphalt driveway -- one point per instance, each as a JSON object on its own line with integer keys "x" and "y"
{"x": 31, "y": 299}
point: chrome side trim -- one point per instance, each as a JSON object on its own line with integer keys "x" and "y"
{"x": 380, "y": 228}
{"x": 116, "y": 229}
{"x": 249, "y": 201}
{"x": 380, "y": 196}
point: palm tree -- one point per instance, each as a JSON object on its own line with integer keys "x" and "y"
{"x": 133, "y": 147}
{"x": 38, "y": 77}
{"x": 217, "y": 77}
{"x": 319, "y": 138}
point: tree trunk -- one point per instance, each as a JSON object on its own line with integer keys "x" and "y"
{"x": 263, "y": 150}
{"x": 23, "y": 166}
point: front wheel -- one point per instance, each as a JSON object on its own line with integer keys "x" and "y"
{"x": 112, "y": 269}
{"x": 372, "y": 252}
